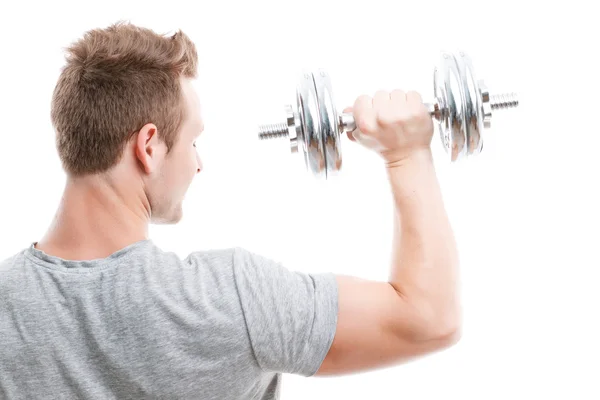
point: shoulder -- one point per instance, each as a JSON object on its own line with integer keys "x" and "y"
{"x": 237, "y": 267}
{"x": 220, "y": 267}
{"x": 6, "y": 262}
{"x": 9, "y": 262}
{"x": 233, "y": 258}
{"x": 224, "y": 258}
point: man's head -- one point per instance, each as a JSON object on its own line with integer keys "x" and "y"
{"x": 124, "y": 105}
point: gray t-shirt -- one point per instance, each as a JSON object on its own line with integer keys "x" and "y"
{"x": 145, "y": 324}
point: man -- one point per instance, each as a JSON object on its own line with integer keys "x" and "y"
{"x": 96, "y": 310}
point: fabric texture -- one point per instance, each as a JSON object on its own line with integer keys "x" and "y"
{"x": 145, "y": 324}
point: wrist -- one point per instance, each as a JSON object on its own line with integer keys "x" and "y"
{"x": 412, "y": 174}
{"x": 419, "y": 158}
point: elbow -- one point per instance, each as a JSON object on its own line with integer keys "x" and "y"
{"x": 437, "y": 337}
{"x": 443, "y": 328}
{"x": 445, "y": 335}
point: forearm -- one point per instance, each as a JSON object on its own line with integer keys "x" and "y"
{"x": 425, "y": 258}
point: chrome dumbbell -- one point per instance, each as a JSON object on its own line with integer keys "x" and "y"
{"x": 462, "y": 107}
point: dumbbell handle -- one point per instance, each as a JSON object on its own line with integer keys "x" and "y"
{"x": 346, "y": 120}
{"x": 497, "y": 101}
{"x": 348, "y": 125}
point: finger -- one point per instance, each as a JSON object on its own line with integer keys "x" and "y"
{"x": 365, "y": 117}
{"x": 414, "y": 98}
{"x": 398, "y": 97}
{"x": 399, "y": 101}
{"x": 363, "y": 102}
{"x": 381, "y": 99}
{"x": 391, "y": 114}
{"x": 386, "y": 114}
{"x": 415, "y": 103}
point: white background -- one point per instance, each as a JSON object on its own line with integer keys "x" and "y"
{"x": 525, "y": 212}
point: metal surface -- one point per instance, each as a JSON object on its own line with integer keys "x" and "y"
{"x": 474, "y": 102}
{"x": 330, "y": 132}
{"x": 309, "y": 139}
{"x": 462, "y": 107}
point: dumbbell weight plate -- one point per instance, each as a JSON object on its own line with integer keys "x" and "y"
{"x": 474, "y": 110}
{"x": 328, "y": 117}
{"x": 448, "y": 92}
{"x": 310, "y": 141}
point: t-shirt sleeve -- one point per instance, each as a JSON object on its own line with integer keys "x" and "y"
{"x": 291, "y": 316}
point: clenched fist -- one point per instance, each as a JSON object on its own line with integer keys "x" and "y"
{"x": 394, "y": 124}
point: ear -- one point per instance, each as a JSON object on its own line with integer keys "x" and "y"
{"x": 148, "y": 148}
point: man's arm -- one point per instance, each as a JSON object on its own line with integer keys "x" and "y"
{"x": 417, "y": 311}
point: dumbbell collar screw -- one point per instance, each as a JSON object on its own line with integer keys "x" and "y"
{"x": 293, "y": 127}
{"x": 486, "y": 105}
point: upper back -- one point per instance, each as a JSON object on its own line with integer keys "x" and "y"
{"x": 140, "y": 323}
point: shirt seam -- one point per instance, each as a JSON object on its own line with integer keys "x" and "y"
{"x": 75, "y": 270}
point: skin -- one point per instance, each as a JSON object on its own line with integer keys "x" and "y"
{"x": 380, "y": 323}
{"x": 100, "y": 214}
{"x": 417, "y": 311}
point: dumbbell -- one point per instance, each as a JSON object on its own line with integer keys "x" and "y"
{"x": 462, "y": 108}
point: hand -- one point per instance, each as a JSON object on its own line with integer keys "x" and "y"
{"x": 396, "y": 125}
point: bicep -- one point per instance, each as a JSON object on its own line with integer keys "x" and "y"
{"x": 376, "y": 327}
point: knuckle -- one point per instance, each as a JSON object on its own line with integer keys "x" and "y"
{"x": 381, "y": 98}
{"x": 361, "y": 101}
{"x": 413, "y": 95}
{"x": 416, "y": 108}
{"x": 399, "y": 93}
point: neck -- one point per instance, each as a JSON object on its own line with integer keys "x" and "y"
{"x": 97, "y": 217}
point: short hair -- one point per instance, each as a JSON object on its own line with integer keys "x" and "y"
{"x": 114, "y": 82}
